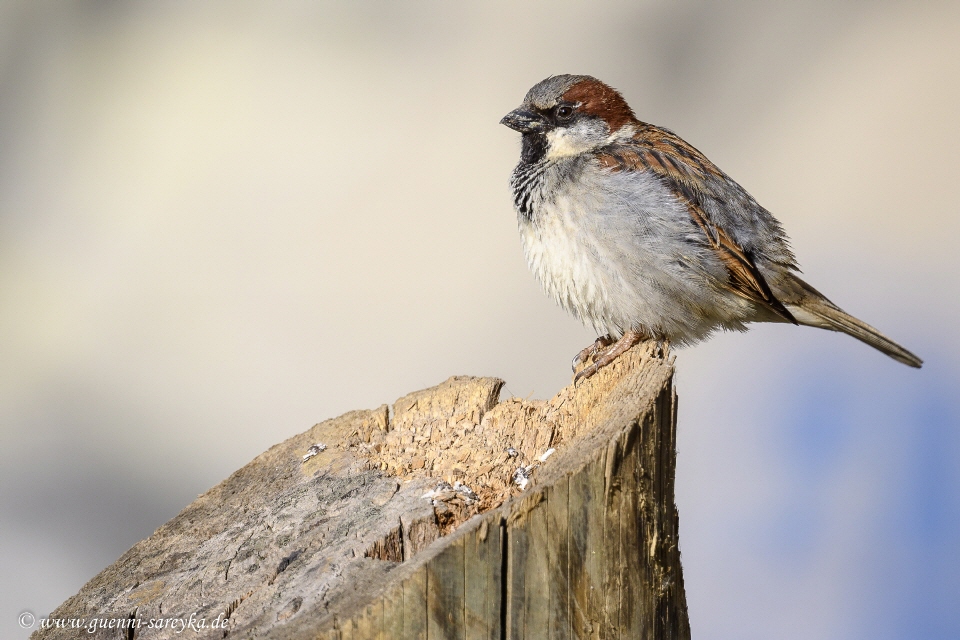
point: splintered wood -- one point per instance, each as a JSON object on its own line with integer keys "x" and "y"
{"x": 448, "y": 515}
{"x": 479, "y": 451}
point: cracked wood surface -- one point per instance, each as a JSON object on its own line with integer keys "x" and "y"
{"x": 343, "y": 544}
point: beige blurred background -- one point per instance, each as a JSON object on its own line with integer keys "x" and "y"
{"x": 221, "y": 223}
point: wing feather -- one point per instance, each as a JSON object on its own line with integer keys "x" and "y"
{"x": 690, "y": 175}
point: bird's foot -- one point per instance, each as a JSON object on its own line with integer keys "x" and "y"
{"x": 609, "y": 354}
{"x": 595, "y": 347}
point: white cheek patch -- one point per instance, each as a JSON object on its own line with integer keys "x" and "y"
{"x": 564, "y": 142}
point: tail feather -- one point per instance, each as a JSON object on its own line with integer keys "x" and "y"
{"x": 826, "y": 315}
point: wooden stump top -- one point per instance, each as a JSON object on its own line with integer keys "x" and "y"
{"x": 450, "y": 514}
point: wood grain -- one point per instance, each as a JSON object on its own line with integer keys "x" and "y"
{"x": 343, "y": 543}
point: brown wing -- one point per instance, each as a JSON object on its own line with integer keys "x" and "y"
{"x": 690, "y": 175}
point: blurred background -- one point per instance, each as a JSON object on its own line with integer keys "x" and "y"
{"x": 221, "y": 223}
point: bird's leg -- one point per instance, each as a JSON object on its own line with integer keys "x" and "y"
{"x": 590, "y": 351}
{"x": 629, "y": 339}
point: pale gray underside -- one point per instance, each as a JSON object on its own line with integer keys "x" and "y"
{"x": 621, "y": 252}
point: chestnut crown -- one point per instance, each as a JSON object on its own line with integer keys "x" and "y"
{"x": 559, "y": 100}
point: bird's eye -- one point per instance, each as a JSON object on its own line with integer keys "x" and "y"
{"x": 564, "y": 112}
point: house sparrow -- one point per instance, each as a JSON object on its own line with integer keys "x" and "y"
{"x": 638, "y": 234}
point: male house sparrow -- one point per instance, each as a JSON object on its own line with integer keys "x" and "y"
{"x": 639, "y": 235}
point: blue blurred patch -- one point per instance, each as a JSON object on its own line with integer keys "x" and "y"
{"x": 854, "y": 425}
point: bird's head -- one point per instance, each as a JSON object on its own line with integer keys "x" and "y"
{"x": 568, "y": 115}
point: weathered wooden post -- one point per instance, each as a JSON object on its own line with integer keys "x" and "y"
{"x": 452, "y": 515}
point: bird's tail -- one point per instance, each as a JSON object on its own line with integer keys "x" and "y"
{"x": 816, "y": 311}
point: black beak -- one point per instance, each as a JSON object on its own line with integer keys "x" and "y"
{"x": 524, "y": 121}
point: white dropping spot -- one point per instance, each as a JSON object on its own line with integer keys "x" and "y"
{"x": 314, "y": 450}
{"x": 521, "y": 477}
{"x": 443, "y": 491}
{"x": 465, "y": 493}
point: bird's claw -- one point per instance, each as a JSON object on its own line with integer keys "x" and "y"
{"x": 608, "y": 354}
{"x": 585, "y": 373}
{"x": 590, "y": 351}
